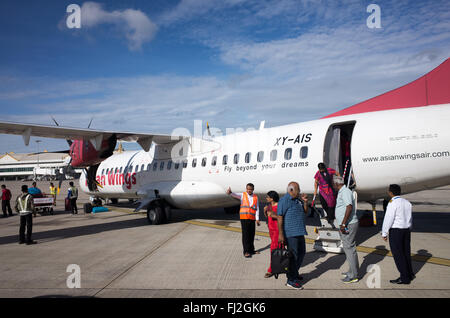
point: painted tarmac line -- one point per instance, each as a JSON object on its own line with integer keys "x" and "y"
{"x": 363, "y": 249}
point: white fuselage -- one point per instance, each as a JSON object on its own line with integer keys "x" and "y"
{"x": 410, "y": 147}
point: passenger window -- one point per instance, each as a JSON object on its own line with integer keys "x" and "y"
{"x": 236, "y": 158}
{"x": 155, "y": 166}
{"x": 103, "y": 170}
{"x": 169, "y": 165}
{"x": 136, "y": 169}
{"x": 184, "y": 163}
{"x": 248, "y": 156}
{"x": 304, "y": 152}
{"x": 142, "y": 167}
{"x": 288, "y": 154}
{"x": 130, "y": 169}
{"x": 203, "y": 162}
{"x": 107, "y": 171}
{"x": 161, "y": 166}
{"x": 214, "y": 161}
{"x": 149, "y": 167}
{"x": 225, "y": 160}
{"x": 177, "y": 165}
{"x": 273, "y": 155}
{"x": 194, "y": 162}
{"x": 260, "y": 156}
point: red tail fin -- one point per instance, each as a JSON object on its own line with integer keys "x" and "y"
{"x": 431, "y": 89}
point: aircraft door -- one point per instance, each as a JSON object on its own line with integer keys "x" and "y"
{"x": 337, "y": 149}
{"x": 332, "y": 156}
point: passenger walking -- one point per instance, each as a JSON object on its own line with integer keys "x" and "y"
{"x": 270, "y": 211}
{"x": 249, "y": 215}
{"x": 348, "y": 223}
{"x": 6, "y": 201}
{"x": 291, "y": 226}
{"x": 324, "y": 181}
{"x": 398, "y": 223}
{"x": 25, "y": 207}
{"x": 72, "y": 195}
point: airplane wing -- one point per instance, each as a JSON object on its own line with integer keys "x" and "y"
{"x": 95, "y": 136}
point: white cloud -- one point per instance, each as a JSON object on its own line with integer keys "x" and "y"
{"x": 133, "y": 24}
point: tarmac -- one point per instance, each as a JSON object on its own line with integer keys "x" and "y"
{"x": 199, "y": 255}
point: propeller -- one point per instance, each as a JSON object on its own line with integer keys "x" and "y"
{"x": 68, "y": 140}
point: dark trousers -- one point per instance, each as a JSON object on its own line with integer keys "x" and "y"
{"x": 400, "y": 242}
{"x": 73, "y": 205}
{"x": 297, "y": 247}
{"x": 248, "y": 236}
{"x": 26, "y": 220}
{"x": 6, "y": 206}
{"x": 330, "y": 211}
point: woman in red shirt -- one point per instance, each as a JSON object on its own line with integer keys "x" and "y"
{"x": 270, "y": 211}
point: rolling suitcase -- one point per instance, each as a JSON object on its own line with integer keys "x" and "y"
{"x": 279, "y": 261}
{"x": 68, "y": 206}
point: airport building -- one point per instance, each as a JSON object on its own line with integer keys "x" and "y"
{"x": 33, "y": 166}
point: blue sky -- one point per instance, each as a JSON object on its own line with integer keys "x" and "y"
{"x": 153, "y": 66}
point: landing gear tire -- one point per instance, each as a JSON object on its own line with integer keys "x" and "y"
{"x": 385, "y": 204}
{"x": 155, "y": 215}
{"x": 167, "y": 213}
{"x": 114, "y": 201}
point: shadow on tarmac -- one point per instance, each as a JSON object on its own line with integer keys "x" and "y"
{"x": 332, "y": 263}
{"x": 76, "y": 231}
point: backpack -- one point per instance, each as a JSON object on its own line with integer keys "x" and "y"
{"x": 279, "y": 261}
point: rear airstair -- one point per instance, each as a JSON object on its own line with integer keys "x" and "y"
{"x": 329, "y": 240}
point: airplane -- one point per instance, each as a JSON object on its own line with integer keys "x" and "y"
{"x": 401, "y": 137}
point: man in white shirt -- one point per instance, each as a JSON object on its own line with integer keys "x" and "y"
{"x": 398, "y": 223}
{"x": 249, "y": 215}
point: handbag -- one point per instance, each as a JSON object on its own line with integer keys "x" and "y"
{"x": 279, "y": 261}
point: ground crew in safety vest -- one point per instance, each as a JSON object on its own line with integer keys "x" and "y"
{"x": 72, "y": 195}
{"x": 25, "y": 207}
{"x": 249, "y": 215}
{"x": 53, "y": 192}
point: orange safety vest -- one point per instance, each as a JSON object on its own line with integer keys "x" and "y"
{"x": 248, "y": 212}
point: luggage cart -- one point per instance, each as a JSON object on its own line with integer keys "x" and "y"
{"x": 43, "y": 204}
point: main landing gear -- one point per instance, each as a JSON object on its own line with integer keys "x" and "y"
{"x": 158, "y": 212}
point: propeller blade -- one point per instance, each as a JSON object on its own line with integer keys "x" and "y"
{"x": 68, "y": 140}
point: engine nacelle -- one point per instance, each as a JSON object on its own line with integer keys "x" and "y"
{"x": 84, "y": 154}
